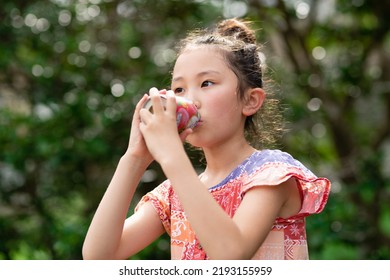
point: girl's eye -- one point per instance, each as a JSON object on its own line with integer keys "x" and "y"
{"x": 178, "y": 90}
{"x": 207, "y": 83}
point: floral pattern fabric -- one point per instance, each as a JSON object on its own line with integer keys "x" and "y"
{"x": 287, "y": 238}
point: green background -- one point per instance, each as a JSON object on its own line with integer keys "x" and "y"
{"x": 71, "y": 72}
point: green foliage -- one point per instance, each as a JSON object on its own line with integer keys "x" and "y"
{"x": 71, "y": 72}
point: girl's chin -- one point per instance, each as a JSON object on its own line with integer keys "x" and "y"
{"x": 193, "y": 141}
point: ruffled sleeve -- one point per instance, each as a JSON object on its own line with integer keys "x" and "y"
{"x": 160, "y": 199}
{"x": 277, "y": 167}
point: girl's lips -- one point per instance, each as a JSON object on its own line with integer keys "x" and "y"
{"x": 198, "y": 123}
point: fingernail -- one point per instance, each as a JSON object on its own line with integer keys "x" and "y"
{"x": 153, "y": 91}
{"x": 170, "y": 93}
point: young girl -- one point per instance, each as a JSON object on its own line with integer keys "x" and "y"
{"x": 248, "y": 203}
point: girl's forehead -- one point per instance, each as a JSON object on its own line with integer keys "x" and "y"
{"x": 201, "y": 49}
{"x": 200, "y": 57}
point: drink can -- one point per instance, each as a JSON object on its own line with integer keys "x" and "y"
{"x": 187, "y": 115}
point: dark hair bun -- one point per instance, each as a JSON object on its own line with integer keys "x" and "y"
{"x": 238, "y": 29}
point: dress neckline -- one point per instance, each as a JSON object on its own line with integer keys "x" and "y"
{"x": 237, "y": 171}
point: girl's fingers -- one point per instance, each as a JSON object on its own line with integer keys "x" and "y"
{"x": 185, "y": 133}
{"x": 139, "y": 106}
{"x": 143, "y": 115}
{"x": 141, "y": 102}
{"x": 171, "y": 102}
{"x": 158, "y": 107}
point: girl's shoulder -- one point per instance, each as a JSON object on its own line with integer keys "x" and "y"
{"x": 275, "y": 158}
{"x": 274, "y": 155}
{"x": 273, "y": 167}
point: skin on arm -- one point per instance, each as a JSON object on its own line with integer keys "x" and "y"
{"x": 105, "y": 235}
{"x": 260, "y": 207}
{"x": 140, "y": 229}
{"x": 111, "y": 235}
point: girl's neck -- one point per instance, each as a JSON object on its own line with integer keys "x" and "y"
{"x": 224, "y": 159}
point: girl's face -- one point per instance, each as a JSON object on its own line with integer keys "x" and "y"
{"x": 202, "y": 75}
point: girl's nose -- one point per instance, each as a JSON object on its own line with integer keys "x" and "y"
{"x": 196, "y": 103}
{"x": 190, "y": 94}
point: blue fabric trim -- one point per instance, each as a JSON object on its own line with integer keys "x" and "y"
{"x": 258, "y": 159}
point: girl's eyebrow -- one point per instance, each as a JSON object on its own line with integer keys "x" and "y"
{"x": 200, "y": 74}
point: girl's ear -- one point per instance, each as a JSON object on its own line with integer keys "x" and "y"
{"x": 254, "y": 100}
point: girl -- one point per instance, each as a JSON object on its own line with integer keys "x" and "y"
{"x": 248, "y": 203}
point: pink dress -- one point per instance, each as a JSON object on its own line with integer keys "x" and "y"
{"x": 287, "y": 238}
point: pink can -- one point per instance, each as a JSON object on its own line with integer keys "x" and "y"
{"x": 187, "y": 115}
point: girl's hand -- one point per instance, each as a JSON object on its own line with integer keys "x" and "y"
{"x": 137, "y": 146}
{"x": 159, "y": 128}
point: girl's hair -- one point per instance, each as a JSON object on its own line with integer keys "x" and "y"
{"x": 237, "y": 43}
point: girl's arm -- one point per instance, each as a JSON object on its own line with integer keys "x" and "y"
{"x": 109, "y": 237}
